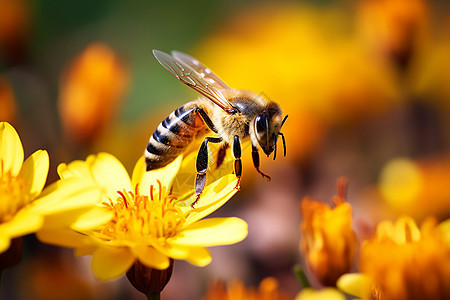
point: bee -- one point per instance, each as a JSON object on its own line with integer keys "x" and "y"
{"x": 231, "y": 115}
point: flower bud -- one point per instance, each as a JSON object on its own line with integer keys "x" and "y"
{"x": 148, "y": 280}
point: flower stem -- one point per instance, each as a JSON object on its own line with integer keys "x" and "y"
{"x": 301, "y": 277}
{"x": 154, "y": 296}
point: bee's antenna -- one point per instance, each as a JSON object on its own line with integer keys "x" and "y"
{"x": 284, "y": 120}
{"x": 275, "y": 146}
{"x": 284, "y": 141}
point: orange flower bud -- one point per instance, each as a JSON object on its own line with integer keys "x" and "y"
{"x": 90, "y": 92}
{"x": 328, "y": 241}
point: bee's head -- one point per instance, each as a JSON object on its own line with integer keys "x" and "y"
{"x": 267, "y": 126}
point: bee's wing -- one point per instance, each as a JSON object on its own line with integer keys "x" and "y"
{"x": 190, "y": 77}
{"x": 201, "y": 69}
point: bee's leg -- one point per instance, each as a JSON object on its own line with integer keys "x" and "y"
{"x": 202, "y": 166}
{"x": 221, "y": 155}
{"x": 237, "y": 161}
{"x": 206, "y": 119}
{"x": 255, "y": 157}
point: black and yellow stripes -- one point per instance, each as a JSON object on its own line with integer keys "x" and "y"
{"x": 173, "y": 135}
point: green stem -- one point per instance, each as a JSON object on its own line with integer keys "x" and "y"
{"x": 154, "y": 296}
{"x": 301, "y": 277}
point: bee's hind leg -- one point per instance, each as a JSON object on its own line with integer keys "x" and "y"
{"x": 202, "y": 166}
{"x": 255, "y": 157}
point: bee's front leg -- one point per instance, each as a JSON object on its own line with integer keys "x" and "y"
{"x": 202, "y": 166}
{"x": 255, "y": 157}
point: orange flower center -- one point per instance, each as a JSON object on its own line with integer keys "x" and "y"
{"x": 139, "y": 217}
{"x": 13, "y": 196}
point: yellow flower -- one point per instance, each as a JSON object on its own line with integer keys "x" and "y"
{"x": 20, "y": 183}
{"x": 327, "y": 240}
{"x": 149, "y": 224}
{"x": 24, "y": 207}
{"x": 268, "y": 290}
{"x": 404, "y": 184}
{"x": 404, "y": 262}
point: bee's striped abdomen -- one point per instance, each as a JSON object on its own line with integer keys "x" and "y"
{"x": 172, "y": 136}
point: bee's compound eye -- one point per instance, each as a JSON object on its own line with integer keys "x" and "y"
{"x": 261, "y": 124}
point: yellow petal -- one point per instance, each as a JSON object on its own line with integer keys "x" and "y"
{"x": 173, "y": 251}
{"x": 109, "y": 173}
{"x": 77, "y": 168}
{"x": 164, "y": 175}
{"x": 78, "y": 219}
{"x": 24, "y": 222}
{"x": 406, "y": 230}
{"x": 324, "y": 294}
{"x": 109, "y": 263}
{"x": 62, "y": 237}
{"x": 355, "y": 284}
{"x": 212, "y": 232}
{"x": 138, "y": 171}
{"x": 213, "y": 197}
{"x": 92, "y": 218}
{"x": 67, "y": 195}
{"x": 4, "y": 243}
{"x": 11, "y": 150}
{"x": 444, "y": 228}
{"x": 151, "y": 258}
{"x": 199, "y": 256}
{"x": 34, "y": 171}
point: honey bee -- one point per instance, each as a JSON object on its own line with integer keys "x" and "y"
{"x": 231, "y": 115}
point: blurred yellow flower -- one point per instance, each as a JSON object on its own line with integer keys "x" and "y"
{"x": 268, "y": 290}
{"x": 356, "y": 284}
{"x": 20, "y": 183}
{"x": 417, "y": 187}
{"x": 90, "y": 92}
{"x": 148, "y": 223}
{"x": 7, "y": 101}
{"x": 324, "y": 294}
{"x": 407, "y": 262}
{"x": 304, "y": 58}
{"x": 328, "y": 242}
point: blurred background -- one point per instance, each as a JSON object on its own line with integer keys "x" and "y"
{"x": 365, "y": 84}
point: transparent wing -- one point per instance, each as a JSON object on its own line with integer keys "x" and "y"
{"x": 201, "y": 69}
{"x": 190, "y": 77}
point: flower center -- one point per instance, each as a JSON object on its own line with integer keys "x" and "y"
{"x": 139, "y": 218}
{"x": 13, "y": 196}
